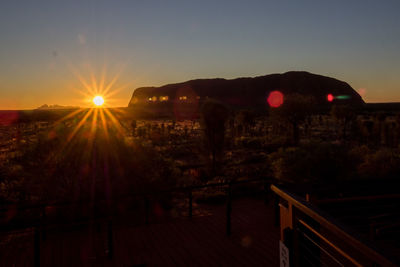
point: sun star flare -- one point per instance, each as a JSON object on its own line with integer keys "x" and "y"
{"x": 98, "y": 100}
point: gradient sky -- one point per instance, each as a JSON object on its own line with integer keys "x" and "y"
{"x": 46, "y": 45}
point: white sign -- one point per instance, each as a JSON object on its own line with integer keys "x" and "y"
{"x": 283, "y": 255}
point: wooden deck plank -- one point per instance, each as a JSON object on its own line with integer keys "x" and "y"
{"x": 200, "y": 241}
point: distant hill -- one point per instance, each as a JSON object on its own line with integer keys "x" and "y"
{"x": 245, "y": 92}
{"x": 55, "y": 106}
{"x": 389, "y": 107}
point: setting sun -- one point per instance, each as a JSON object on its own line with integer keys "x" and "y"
{"x": 98, "y": 101}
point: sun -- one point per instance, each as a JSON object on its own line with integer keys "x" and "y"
{"x": 98, "y": 100}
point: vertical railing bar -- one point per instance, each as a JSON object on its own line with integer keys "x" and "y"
{"x": 277, "y": 213}
{"x": 44, "y": 218}
{"x": 190, "y": 204}
{"x": 110, "y": 239}
{"x": 229, "y": 211}
{"x": 147, "y": 209}
{"x": 36, "y": 247}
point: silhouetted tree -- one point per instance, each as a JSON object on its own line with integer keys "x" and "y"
{"x": 380, "y": 119}
{"x": 295, "y": 109}
{"x": 344, "y": 114}
{"x": 213, "y": 118}
{"x": 247, "y": 119}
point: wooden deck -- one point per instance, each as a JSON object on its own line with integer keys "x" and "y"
{"x": 200, "y": 241}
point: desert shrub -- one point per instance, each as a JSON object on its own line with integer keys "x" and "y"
{"x": 247, "y": 119}
{"x": 251, "y": 142}
{"x": 10, "y": 184}
{"x": 275, "y": 142}
{"x": 315, "y": 163}
{"x": 90, "y": 164}
{"x": 379, "y": 164}
{"x": 343, "y": 115}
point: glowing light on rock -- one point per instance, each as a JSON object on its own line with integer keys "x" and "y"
{"x": 275, "y": 99}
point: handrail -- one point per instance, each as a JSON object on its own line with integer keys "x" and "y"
{"x": 330, "y": 225}
{"x": 341, "y": 252}
{"x": 358, "y": 198}
{"x": 6, "y": 207}
{"x": 117, "y": 199}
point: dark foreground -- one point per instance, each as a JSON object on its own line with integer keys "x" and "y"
{"x": 200, "y": 241}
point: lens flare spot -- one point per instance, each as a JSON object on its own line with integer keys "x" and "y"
{"x": 275, "y": 99}
{"x": 8, "y": 117}
{"x": 343, "y": 97}
{"x": 246, "y": 241}
{"x": 362, "y": 92}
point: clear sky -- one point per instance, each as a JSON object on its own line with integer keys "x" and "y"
{"x": 45, "y": 46}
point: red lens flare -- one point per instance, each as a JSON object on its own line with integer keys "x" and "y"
{"x": 8, "y": 117}
{"x": 330, "y": 97}
{"x": 275, "y": 99}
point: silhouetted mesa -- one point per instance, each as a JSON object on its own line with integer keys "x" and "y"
{"x": 243, "y": 93}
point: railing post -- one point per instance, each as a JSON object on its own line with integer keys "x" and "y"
{"x": 110, "y": 240}
{"x": 44, "y": 223}
{"x": 288, "y": 241}
{"x": 229, "y": 210}
{"x": 147, "y": 210}
{"x": 277, "y": 213}
{"x": 295, "y": 254}
{"x": 267, "y": 192}
{"x": 190, "y": 203}
{"x": 36, "y": 247}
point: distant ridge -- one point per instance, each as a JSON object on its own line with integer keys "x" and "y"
{"x": 55, "y": 106}
{"x": 245, "y": 92}
{"x": 383, "y": 107}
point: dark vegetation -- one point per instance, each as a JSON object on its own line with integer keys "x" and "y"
{"x": 45, "y": 158}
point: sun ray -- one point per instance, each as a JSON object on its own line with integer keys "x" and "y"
{"x": 114, "y": 121}
{"x": 115, "y": 91}
{"x": 93, "y": 130}
{"x": 82, "y": 80}
{"x": 104, "y": 124}
{"x": 94, "y": 122}
{"x": 118, "y": 110}
{"x": 85, "y": 84}
{"x": 114, "y": 79}
{"x": 62, "y": 148}
{"x": 103, "y": 78}
{"x": 94, "y": 83}
{"x": 70, "y": 115}
{"x": 80, "y": 124}
{"x": 110, "y": 84}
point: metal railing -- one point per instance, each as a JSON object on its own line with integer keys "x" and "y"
{"x": 39, "y": 227}
{"x": 316, "y": 239}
